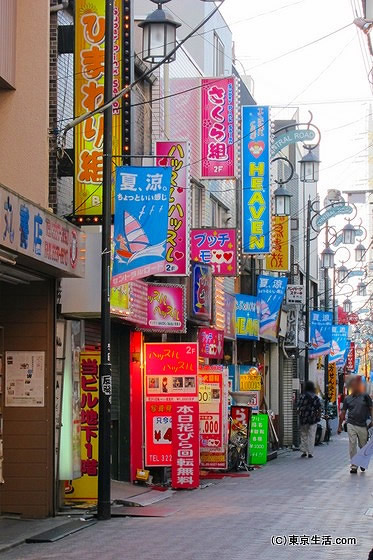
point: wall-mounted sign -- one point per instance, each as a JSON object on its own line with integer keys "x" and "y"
{"x": 332, "y": 382}
{"x": 291, "y": 137}
{"x": 247, "y": 317}
{"x": 350, "y": 364}
{"x": 89, "y": 51}
{"x": 253, "y": 401}
{"x": 218, "y": 128}
{"x": 250, "y": 378}
{"x": 279, "y": 258}
{"x": 339, "y": 344}
{"x": 256, "y": 160}
{"x": 166, "y": 308}
{"x": 295, "y": 294}
{"x": 210, "y": 343}
{"x": 140, "y": 222}
{"x": 320, "y": 333}
{"x": 217, "y": 247}
{"x": 201, "y": 297}
{"x": 34, "y": 232}
{"x": 24, "y": 379}
{"x": 335, "y": 210}
{"x": 271, "y": 292}
{"x": 291, "y": 338}
{"x": 176, "y": 155}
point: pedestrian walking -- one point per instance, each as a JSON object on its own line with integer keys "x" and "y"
{"x": 309, "y": 410}
{"x": 358, "y": 408}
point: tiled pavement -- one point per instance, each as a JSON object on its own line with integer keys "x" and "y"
{"x": 236, "y": 518}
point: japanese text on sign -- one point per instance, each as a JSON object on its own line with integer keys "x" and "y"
{"x": 217, "y": 247}
{"x": 279, "y": 258}
{"x": 185, "y": 449}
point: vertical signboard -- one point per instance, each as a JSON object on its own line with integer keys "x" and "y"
{"x": 256, "y": 159}
{"x": 279, "y": 258}
{"x": 229, "y": 316}
{"x": 332, "y": 382}
{"x": 170, "y": 385}
{"x": 213, "y": 391}
{"x": 85, "y": 488}
{"x": 258, "y": 439}
{"x": 351, "y": 357}
{"x": 201, "y": 297}
{"x": 185, "y": 446}
{"x": 247, "y": 317}
{"x": 176, "y": 155}
{"x": 271, "y": 292}
{"x": 218, "y": 128}
{"x": 140, "y": 222}
{"x": 89, "y": 62}
{"x": 320, "y": 333}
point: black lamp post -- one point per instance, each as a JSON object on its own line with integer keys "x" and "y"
{"x": 159, "y": 35}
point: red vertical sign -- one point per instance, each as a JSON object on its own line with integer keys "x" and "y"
{"x": 350, "y": 364}
{"x": 185, "y": 445}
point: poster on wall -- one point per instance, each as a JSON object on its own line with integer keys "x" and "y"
{"x": 140, "y": 222}
{"x": 89, "y": 52}
{"x": 86, "y": 487}
{"x": 218, "y": 128}
{"x": 217, "y": 247}
{"x": 24, "y": 379}
{"x": 279, "y": 258}
{"x": 320, "y": 333}
{"x": 166, "y": 308}
{"x": 247, "y": 317}
{"x": 201, "y": 297}
{"x": 170, "y": 386}
{"x": 213, "y": 425}
{"x": 256, "y": 161}
{"x": 210, "y": 343}
{"x": 271, "y": 292}
{"x": 177, "y": 155}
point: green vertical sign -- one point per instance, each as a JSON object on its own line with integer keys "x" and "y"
{"x": 258, "y": 439}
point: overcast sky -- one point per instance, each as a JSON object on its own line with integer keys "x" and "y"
{"x": 315, "y": 77}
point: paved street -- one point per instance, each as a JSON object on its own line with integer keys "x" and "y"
{"x": 235, "y": 518}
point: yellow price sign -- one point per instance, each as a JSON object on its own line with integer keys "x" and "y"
{"x": 204, "y": 394}
{"x": 250, "y": 382}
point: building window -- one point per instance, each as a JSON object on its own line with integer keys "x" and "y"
{"x": 218, "y": 56}
{"x": 218, "y": 213}
{"x": 197, "y": 202}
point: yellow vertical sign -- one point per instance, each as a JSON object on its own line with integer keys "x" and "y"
{"x": 279, "y": 258}
{"x": 332, "y": 382}
{"x": 88, "y": 95}
{"x": 85, "y": 488}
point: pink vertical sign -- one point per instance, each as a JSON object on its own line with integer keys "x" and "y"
{"x": 176, "y": 155}
{"x": 218, "y": 128}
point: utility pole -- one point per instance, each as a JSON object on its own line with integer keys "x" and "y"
{"x": 308, "y": 267}
{"x": 326, "y": 296}
{"x": 104, "y": 427}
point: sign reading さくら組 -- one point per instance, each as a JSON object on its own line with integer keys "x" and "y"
{"x": 279, "y": 258}
{"x": 217, "y": 247}
{"x": 176, "y": 155}
{"x": 85, "y": 488}
{"x": 256, "y": 159}
{"x": 170, "y": 378}
{"x": 218, "y": 128}
{"x": 89, "y": 62}
{"x": 140, "y": 222}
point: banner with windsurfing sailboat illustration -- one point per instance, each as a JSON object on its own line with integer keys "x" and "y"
{"x": 320, "y": 333}
{"x": 339, "y": 344}
{"x": 271, "y": 292}
{"x": 140, "y": 222}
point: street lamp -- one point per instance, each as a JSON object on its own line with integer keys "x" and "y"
{"x": 359, "y": 252}
{"x": 327, "y": 258}
{"x": 348, "y": 234}
{"x": 282, "y": 201}
{"x": 347, "y": 306}
{"x": 361, "y": 289}
{"x": 159, "y": 35}
{"x": 309, "y": 168}
{"x": 342, "y": 273}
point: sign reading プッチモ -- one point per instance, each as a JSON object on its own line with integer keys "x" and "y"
{"x": 176, "y": 155}
{"x": 218, "y": 128}
{"x": 140, "y": 222}
{"x": 247, "y": 317}
{"x": 256, "y": 159}
{"x": 271, "y": 292}
{"x": 217, "y": 247}
{"x": 320, "y": 333}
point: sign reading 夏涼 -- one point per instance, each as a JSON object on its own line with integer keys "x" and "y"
{"x": 271, "y": 292}
{"x": 320, "y": 333}
{"x": 256, "y": 159}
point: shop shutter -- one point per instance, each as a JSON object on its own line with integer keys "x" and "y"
{"x": 287, "y": 400}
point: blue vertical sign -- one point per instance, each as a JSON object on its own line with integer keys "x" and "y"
{"x": 339, "y": 344}
{"x": 271, "y": 291}
{"x": 256, "y": 199}
{"x": 320, "y": 333}
{"x": 140, "y": 222}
